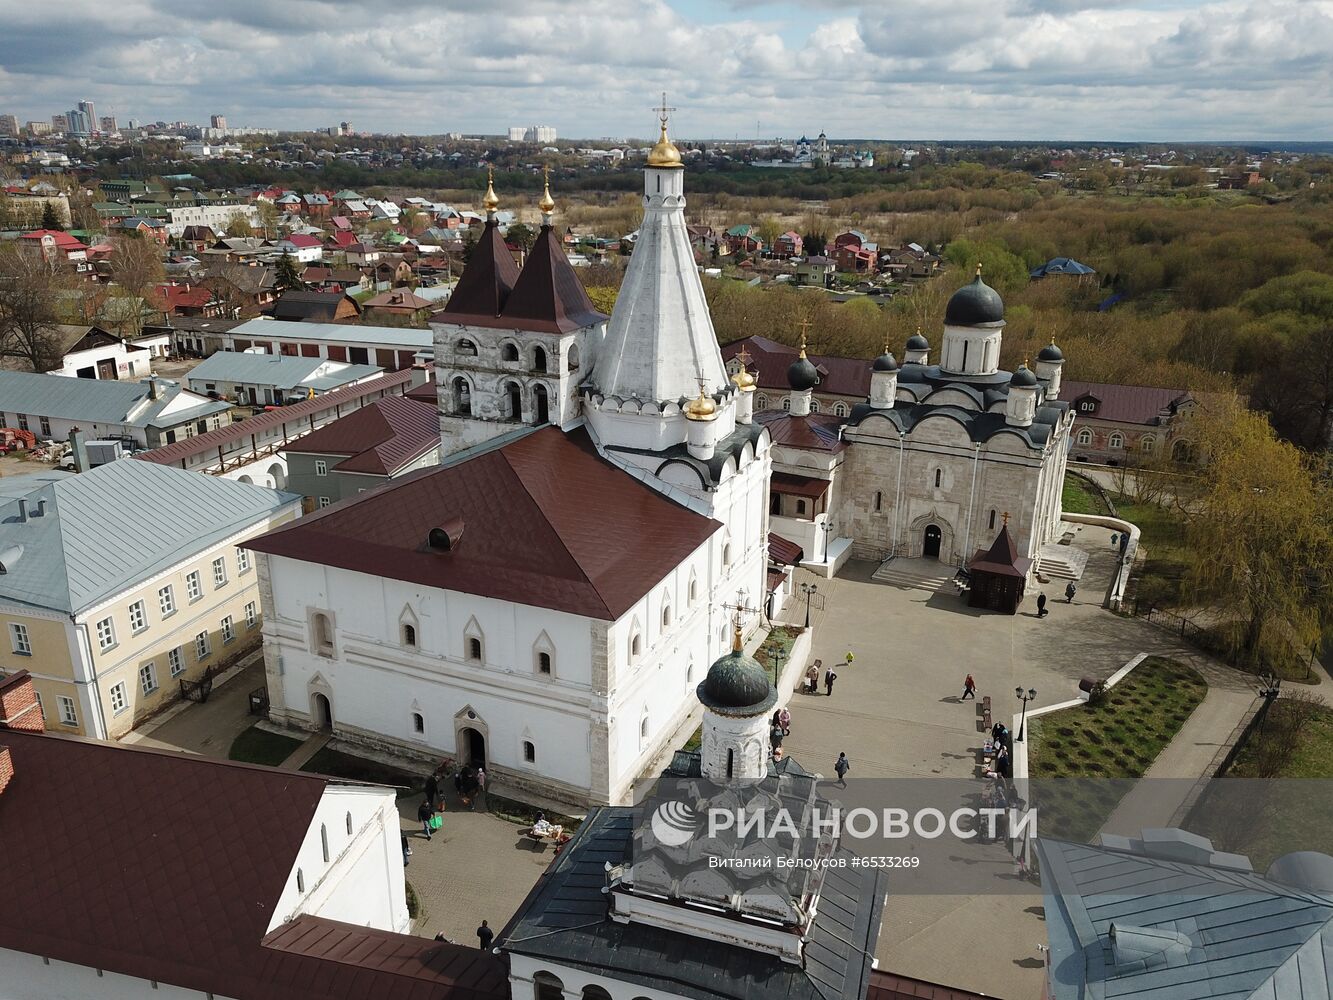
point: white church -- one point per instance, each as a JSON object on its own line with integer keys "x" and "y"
{"x": 548, "y": 598}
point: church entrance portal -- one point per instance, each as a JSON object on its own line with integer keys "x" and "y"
{"x": 472, "y": 747}
{"x": 931, "y": 549}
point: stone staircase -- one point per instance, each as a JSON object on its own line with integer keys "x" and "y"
{"x": 1063, "y": 561}
{"x": 918, "y": 574}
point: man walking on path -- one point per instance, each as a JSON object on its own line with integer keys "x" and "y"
{"x": 424, "y": 812}
{"x": 830, "y": 675}
{"x": 433, "y": 789}
{"x": 485, "y": 935}
{"x": 1041, "y": 605}
{"x": 812, "y": 678}
{"x": 1070, "y": 591}
{"x": 969, "y": 688}
{"x": 842, "y": 766}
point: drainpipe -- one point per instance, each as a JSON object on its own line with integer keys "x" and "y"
{"x": 898, "y": 496}
{"x": 971, "y": 505}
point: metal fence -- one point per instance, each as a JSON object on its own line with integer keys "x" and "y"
{"x": 1170, "y": 621}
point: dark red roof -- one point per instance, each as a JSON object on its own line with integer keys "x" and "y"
{"x": 1001, "y": 559}
{"x": 1126, "y": 404}
{"x": 548, "y": 296}
{"x": 546, "y": 522}
{"x": 780, "y": 550}
{"x": 770, "y": 360}
{"x": 817, "y": 432}
{"x": 887, "y": 986}
{"x": 181, "y": 296}
{"x": 485, "y": 283}
{"x": 799, "y": 486}
{"x": 379, "y": 438}
{"x": 168, "y": 867}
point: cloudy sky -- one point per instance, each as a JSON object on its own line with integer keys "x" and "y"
{"x": 896, "y": 69}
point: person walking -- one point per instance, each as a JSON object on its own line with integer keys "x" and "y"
{"x": 1041, "y": 605}
{"x": 830, "y": 675}
{"x": 841, "y": 767}
{"x": 481, "y": 787}
{"x": 433, "y": 789}
{"x": 775, "y": 736}
{"x": 485, "y": 935}
{"x": 1070, "y": 591}
{"x": 784, "y": 720}
{"x": 407, "y": 850}
{"x": 812, "y": 678}
{"x": 1114, "y": 538}
{"x": 969, "y": 688}
{"x": 424, "y": 812}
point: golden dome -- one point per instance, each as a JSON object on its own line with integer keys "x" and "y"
{"x": 702, "y": 408}
{"x": 490, "y": 201}
{"x": 744, "y": 380}
{"x": 547, "y": 204}
{"x": 664, "y": 155}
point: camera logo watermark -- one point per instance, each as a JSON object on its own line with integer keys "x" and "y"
{"x": 676, "y": 823}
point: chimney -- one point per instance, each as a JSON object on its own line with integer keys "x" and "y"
{"x": 41, "y": 508}
{"x": 80, "y": 450}
{"x": 18, "y": 704}
{"x": 23, "y": 511}
{"x": 420, "y": 375}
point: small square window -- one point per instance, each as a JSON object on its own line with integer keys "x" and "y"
{"x": 242, "y": 560}
{"x": 68, "y": 715}
{"x": 138, "y": 617}
{"x": 529, "y": 751}
{"x": 148, "y": 678}
{"x": 194, "y": 586}
{"x": 18, "y": 639}
{"x": 106, "y": 634}
{"x": 166, "y": 601}
{"x": 321, "y": 467}
{"x": 228, "y": 630}
{"x": 219, "y": 572}
{"x": 176, "y": 660}
{"x": 119, "y": 701}
{"x": 323, "y": 501}
{"x": 251, "y": 615}
{"x": 202, "y": 646}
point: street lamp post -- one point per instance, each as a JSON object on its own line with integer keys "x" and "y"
{"x": 809, "y": 590}
{"x": 777, "y": 657}
{"x": 1029, "y": 695}
{"x": 826, "y": 530}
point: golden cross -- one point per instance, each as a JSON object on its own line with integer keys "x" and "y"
{"x": 663, "y": 110}
{"x": 1005, "y": 517}
{"x": 743, "y": 356}
{"x": 739, "y": 608}
{"x": 805, "y": 329}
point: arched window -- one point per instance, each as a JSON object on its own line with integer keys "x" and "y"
{"x": 324, "y": 841}
{"x": 1117, "y": 440}
{"x": 349, "y": 822}
{"x": 1084, "y": 436}
{"x": 1182, "y": 451}
{"x": 694, "y": 589}
{"x": 539, "y": 358}
{"x": 508, "y": 352}
{"x": 466, "y": 347}
{"x": 543, "y": 662}
{"x": 939, "y": 475}
{"x": 548, "y": 987}
{"x": 418, "y": 723}
{"x": 1148, "y": 444}
{"x": 635, "y": 645}
{"x": 800, "y": 507}
{"x": 322, "y": 633}
{"x": 462, "y": 397}
{"x": 409, "y": 635}
{"x": 840, "y": 409}
{"x": 300, "y": 880}
{"x": 572, "y": 358}
{"x": 595, "y": 993}
{"x": 530, "y": 753}
{"x": 513, "y": 398}
{"x": 474, "y": 649}
{"x": 761, "y": 402}
{"x": 814, "y": 405}
{"x": 879, "y": 501}
{"x": 726, "y": 554}
{"x": 786, "y": 403}
{"x": 643, "y": 728}
{"x": 991, "y": 525}
{"x": 666, "y": 615}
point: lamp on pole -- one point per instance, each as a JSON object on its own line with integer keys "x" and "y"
{"x": 809, "y": 590}
{"x": 826, "y": 530}
{"x": 777, "y": 656}
{"x": 1029, "y": 695}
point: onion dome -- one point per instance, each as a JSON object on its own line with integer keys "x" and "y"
{"x": 802, "y": 375}
{"x": 737, "y": 684}
{"x": 744, "y": 379}
{"x": 1023, "y": 378}
{"x": 490, "y": 201}
{"x": 886, "y": 362}
{"x": 975, "y": 304}
{"x": 1050, "y": 352}
{"x": 664, "y": 155}
{"x": 547, "y": 204}
{"x": 916, "y": 342}
{"x": 702, "y": 408}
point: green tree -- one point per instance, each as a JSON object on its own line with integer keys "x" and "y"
{"x": 50, "y": 217}
{"x": 521, "y": 236}
{"x": 814, "y": 242}
{"x": 269, "y": 218}
{"x": 286, "y": 276}
{"x": 769, "y": 231}
{"x": 239, "y": 225}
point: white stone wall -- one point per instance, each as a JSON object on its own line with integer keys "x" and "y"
{"x": 31, "y": 977}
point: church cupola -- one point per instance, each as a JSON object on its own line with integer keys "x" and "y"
{"x": 744, "y": 381}
{"x": 802, "y": 376}
{"x": 1021, "y": 406}
{"x": 973, "y": 327}
{"x": 918, "y": 349}
{"x": 884, "y": 381}
{"x": 701, "y": 427}
{"x": 1050, "y": 364}
{"x": 737, "y": 697}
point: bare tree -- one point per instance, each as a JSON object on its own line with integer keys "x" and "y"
{"x": 30, "y": 287}
{"x": 136, "y": 268}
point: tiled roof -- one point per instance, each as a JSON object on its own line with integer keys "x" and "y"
{"x": 380, "y": 438}
{"x": 486, "y": 281}
{"x": 79, "y": 552}
{"x": 782, "y": 551}
{"x": 546, "y": 522}
{"x": 818, "y": 431}
{"x": 171, "y": 873}
{"x": 888, "y": 986}
{"x": 548, "y": 296}
{"x": 1126, "y": 404}
{"x": 770, "y": 360}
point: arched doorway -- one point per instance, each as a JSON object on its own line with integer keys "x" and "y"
{"x": 472, "y": 747}
{"x": 279, "y": 476}
{"x": 323, "y": 711}
{"x": 542, "y": 405}
{"x": 931, "y": 547}
{"x": 462, "y": 397}
{"x": 515, "y": 396}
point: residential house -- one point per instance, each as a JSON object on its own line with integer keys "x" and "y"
{"x": 854, "y": 259}
{"x": 393, "y": 271}
{"x": 272, "y": 379}
{"x": 315, "y": 206}
{"x": 149, "y": 412}
{"x": 364, "y": 450}
{"x": 91, "y": 352}
{"x": 57, "y": 246}
{"x": 788, "y": 245}
{"x": 333, "y": 279}
{"x": 361, "y": 254}
{"x": 843, "y": 382}
{"x": 315, "y": 307}
{"x": 1127, "y": 424}
{"x": 123, "y": 581}
{"x": 305, "y": 249}
{"x": 912, "y": 261}
{"x": 186, "y": 299}
{"x": 289, "y": 203}
{"x": 149, "y": 229}
{"x": 198, "y": 238}
{"x": 398, "y": 306}
{"x": 743, "y": 239}
{"x": 339, "y": 240}
{"x": 816, "y": 270}
{"x": 294, "y": 881}
{"x": 237, "y": 249}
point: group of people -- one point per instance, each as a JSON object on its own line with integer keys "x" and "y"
{"x": 812, "y": 673}
{"x": 469, "y": 784}
{"x": 779, "y": 726}
{"x": 1070, "y": 591}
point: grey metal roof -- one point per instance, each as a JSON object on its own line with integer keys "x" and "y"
{"x": 336, "y": 333}
{"x": 283, "y": 371}
{"x": 105, "y": 529}
{"x": 100, "y": 401}
{"x": 1183, "y": 930}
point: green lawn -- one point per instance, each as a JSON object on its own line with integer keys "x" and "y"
{"x": 1079, "y": 498}
{"x": 1161, "y": 578}
{"x": 258, "y": 746}
{"x": 1114, "y": 742}
{"x": 775, "y": 650}
{"x": 337, "y": 764}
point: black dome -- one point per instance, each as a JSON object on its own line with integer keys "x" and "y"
{"x": 1050, "y": 353}
{"x": 737, "y": 685}
{"x": 975, "y": 304}
{"x": 916, "y": 342}
{"x": 802, "y": 375}
{"x": 886, "y": 362}
{"x": 1024, "y": 378}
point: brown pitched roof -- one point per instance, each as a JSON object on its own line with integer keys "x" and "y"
{"x": 816, "y": 432}
{"x": 1001, "y": 558}
{"x": 485, "y": 283}
{"x": 887, "y": 986}
{"x": 379, "y": 438}
{"x": 546, "y": 522}
{"x": 168, "y": 866}
{"x": 770, "y": 360}
{"x": 781, "y": 551}
{"x": 548, "y": 296}
{"x": 320, "y": 307}
{"x": 1126, "y": 404}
